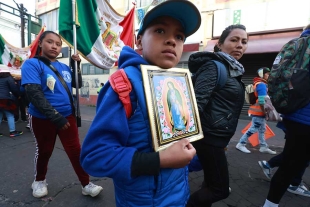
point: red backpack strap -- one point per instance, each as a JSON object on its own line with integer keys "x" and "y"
{"x": 122, "y": 86}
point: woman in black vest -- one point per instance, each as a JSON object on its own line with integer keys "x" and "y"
{"x": 8, "y": 94}
{"x": 219, "y": 110}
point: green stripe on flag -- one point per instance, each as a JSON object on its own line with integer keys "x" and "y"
{"x": 88, "y": 32}
{"x": 2, "y": 46}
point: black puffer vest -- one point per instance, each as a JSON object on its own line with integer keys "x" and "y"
{"x": 219, "y": 118}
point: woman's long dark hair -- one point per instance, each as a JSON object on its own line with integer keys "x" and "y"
{"x": 225, "y": 34}
{"x": 43, "y": 35}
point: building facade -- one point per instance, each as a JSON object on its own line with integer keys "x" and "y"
{"x": 270, "y": 24}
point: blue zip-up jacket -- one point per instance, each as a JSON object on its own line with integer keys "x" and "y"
{"x": 301, "y": 115}
{"x": 113, "y": 139}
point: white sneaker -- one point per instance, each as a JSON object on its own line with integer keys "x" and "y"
{"x": 267, "y": 150}
{"x": 242, "y": 148}
{"x": 303, "y": 186}
{"x": 299, "y": 190}
{"x": 91, "y": 189}
{"x": 39, "y": 188}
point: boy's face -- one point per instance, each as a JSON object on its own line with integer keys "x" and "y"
{"x": 266, "y": 76}
{"x": 162, "y": 42}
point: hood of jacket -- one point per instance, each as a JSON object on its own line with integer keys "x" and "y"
{"x": 258, "y": 79}
{"x": 196, "y": 60}
{"x": 305, "y": 33}
{"x": 129, "y": 57}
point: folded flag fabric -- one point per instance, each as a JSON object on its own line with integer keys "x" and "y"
{"x": 14, "y": 57}
{"x": 98, "y": 30}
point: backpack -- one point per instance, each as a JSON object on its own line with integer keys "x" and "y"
{"x": 221, "y": 77}
{"x": 121, "y": 85}
{"x": 289, "y": 79}
{"x": 250, "y": 97}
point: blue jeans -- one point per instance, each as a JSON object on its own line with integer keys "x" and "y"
{"x": 10, "y": 117}
{"x": 258, "y": 125}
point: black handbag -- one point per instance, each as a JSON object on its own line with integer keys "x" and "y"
{"x": 48, "y": 63}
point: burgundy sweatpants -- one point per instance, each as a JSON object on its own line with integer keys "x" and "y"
{"x": 45, "y": 133}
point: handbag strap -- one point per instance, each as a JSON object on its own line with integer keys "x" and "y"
{"x": 62, "y": 81}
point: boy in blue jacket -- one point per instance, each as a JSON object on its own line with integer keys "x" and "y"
{"x": 121, "y": 148}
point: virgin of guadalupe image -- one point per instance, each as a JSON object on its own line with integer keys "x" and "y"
{"x": 175, "y": 106}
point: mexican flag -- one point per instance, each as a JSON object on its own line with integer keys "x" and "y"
{"x": 100, "y": 31}
{"x": 8, "y": 52}
{"x": 14, "y": 57}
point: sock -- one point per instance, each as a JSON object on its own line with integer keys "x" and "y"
{"x": 270, "y": 204}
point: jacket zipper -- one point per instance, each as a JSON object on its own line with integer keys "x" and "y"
{"x": 228, "y": 116}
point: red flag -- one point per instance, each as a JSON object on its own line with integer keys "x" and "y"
{"x": 127, "y": 35}
{"x": 34, "y": 45}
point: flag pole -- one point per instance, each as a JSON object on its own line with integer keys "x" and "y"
{"x": 75, "y": 64}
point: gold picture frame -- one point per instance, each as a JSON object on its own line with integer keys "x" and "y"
{"x": 172, "y": 107}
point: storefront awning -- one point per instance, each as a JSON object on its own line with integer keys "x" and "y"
{"x": 263, "y": 43}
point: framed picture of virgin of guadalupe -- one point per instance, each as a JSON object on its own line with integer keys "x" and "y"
{"x": 171, "y": 105}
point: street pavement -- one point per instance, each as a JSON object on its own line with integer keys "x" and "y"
{"x": 249, "y": 184}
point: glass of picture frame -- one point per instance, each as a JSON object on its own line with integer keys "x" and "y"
{"x": 172, "y": 107}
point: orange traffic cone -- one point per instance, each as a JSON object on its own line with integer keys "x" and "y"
{"x": 253, "y": 139}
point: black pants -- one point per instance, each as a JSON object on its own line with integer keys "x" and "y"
{"x": 216, "y": 178}
{"x": 277, "y": 160}
{"x": 296, "y": 155}
{"x": 21, "y": 108}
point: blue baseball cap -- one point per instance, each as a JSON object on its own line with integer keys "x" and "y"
{"x": 182, "y": 10}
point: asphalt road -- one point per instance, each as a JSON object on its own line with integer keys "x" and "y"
{"x": 248, "y": 183}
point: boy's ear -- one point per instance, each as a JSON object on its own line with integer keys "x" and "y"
{"x": 139, "y": 42}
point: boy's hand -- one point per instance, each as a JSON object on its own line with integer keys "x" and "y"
{"x": 177, "y": 155}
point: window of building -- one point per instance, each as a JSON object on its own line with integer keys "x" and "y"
{"x": 142, "y": 3}
{"x": 92, "y": 70}
{"x": 50, "y": 20}
{"x": 182, "y": 65}
{"x": 85, "y": 69}
{"x": 89, "y": 69}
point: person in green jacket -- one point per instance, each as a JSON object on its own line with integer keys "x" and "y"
{"x": 100, "y": 87}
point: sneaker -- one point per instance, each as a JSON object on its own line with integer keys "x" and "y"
{"x": 266, "y": 168}
{"x": 15, "y": 133}
{"x": 28, "y": 126}
{"x": 91, "y": 189}
{"x": 298, "y": 190}
{"x": 229, "y": 189}
{"x": 267, "y": 150}
{"x": 301, "y": 185}
{"x": 242, "y": 148}
{"x": 39, "y": 189}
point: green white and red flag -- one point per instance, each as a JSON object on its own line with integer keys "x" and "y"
{"x": 101, "y": 32}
